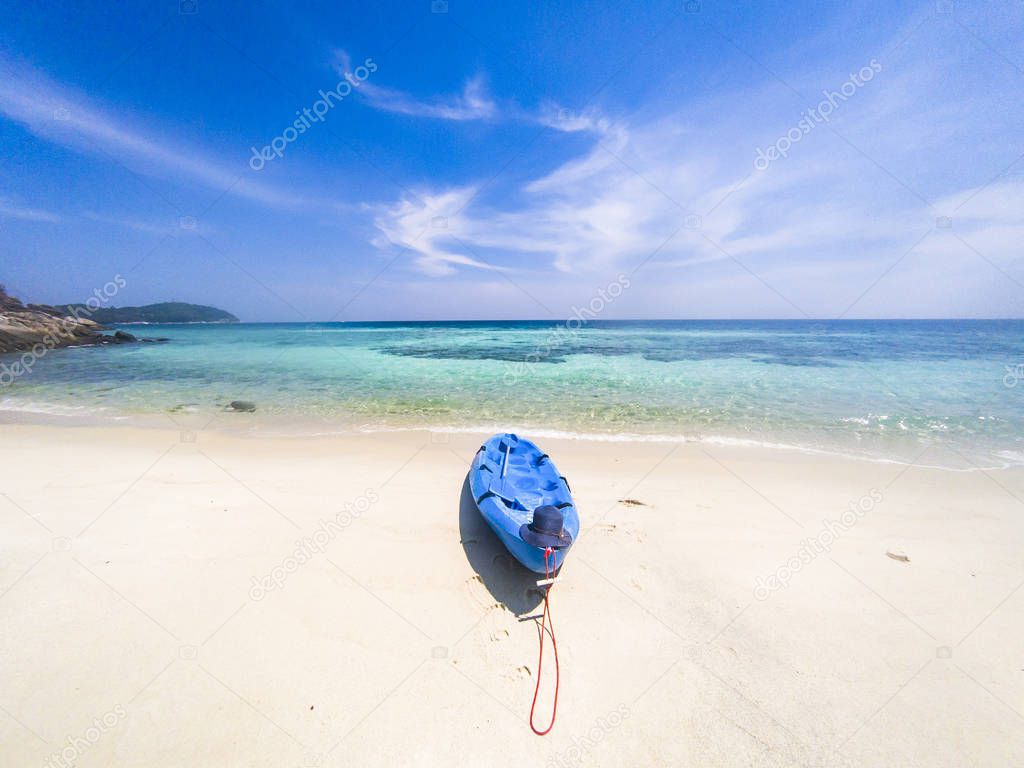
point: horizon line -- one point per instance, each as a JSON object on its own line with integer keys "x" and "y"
{"x": 599, "y": 320}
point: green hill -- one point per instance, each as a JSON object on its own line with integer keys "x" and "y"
{"x": 165, "y": 312}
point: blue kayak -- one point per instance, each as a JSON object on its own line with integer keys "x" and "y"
{"x": 526, "y": 502}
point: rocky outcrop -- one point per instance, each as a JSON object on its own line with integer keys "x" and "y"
{"x": 38, "y": 327}
{"x": 22, "y": 328}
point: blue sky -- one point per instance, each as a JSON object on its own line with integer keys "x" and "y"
{"x": 515, "y": 160}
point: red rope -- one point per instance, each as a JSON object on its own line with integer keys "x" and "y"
{"x": 546, "y": 625}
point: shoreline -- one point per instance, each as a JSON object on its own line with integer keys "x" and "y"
{"x": 282, "y": 426}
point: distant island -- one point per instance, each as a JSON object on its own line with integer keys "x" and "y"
{"x": 36, "y": 328}
{"x": 165, "y": 312}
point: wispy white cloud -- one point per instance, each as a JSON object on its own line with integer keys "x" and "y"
{"x": 570, "y": 121}
{"x": 15, "y": 211}
{"x": 473, "y": 103}
{"x": 59, "y": 114}
{"x": 414, "y": 226}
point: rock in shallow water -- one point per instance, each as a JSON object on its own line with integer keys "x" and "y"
{"x": 243, "y": 406}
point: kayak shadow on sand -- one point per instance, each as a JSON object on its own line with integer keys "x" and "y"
{"x": 506, "y": 579}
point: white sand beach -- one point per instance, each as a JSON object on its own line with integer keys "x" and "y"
{"x": 165, "y": 601}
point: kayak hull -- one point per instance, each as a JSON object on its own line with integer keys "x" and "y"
{"x": 509, "y": 478}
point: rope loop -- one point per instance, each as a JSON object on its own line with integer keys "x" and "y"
{"x": 546, "y": 626}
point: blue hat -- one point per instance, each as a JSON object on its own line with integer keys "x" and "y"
{"x": 546, "y": 529}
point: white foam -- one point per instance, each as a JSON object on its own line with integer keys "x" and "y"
{"x": 1006, "y": 458}
{"x": 51, "y": 409}
{"x": 740, "y": 442}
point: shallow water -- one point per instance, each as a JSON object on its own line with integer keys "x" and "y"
{"x": 880, "y": 389}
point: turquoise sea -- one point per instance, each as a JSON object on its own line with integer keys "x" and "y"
{"x": 947, "y": 391}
